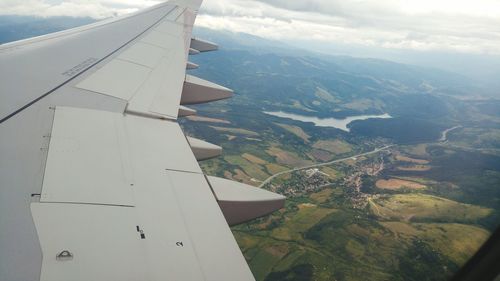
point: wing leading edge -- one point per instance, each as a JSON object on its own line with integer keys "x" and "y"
{"x": 97, "y": 179}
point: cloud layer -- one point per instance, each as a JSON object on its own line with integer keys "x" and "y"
{"x": 444, "y": 25}
{"x": 437, "y": 25}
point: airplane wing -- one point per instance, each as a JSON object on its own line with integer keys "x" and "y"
{"x": 97, "y": 179}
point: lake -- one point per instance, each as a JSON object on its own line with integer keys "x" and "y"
{"x": 327, "y": 122}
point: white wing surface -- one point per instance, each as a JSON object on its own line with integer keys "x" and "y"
{"x": 97, "y": 179}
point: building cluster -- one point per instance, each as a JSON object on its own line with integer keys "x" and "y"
{"x": 302, "y": 182}
{"x": 354, "y": 181}
{"x": 313, "y": 180}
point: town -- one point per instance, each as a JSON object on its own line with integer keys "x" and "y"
{"x": 302, "y": 182}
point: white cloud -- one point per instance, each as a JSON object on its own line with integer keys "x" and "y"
{"x": 438, "y": 25}
{"x": 443, "y": 25}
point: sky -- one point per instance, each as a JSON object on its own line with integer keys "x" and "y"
{"x": 374, "y": 27}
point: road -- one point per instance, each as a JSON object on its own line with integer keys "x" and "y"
{"x": 376, "y": 150}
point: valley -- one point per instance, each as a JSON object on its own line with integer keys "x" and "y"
{"x": 404, "y": 198}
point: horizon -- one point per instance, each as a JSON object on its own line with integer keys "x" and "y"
{"x": 283, "y": 47}
{"x": 454, "y": 36}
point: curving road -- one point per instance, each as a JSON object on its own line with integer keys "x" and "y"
{"x": 376, "y": 150}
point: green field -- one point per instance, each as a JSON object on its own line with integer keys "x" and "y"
{"x": 400, "y": 234}
{"x": 421, "y": 207}
{"x": 350, "y": 229}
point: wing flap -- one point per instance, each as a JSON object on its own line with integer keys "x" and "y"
{"x": 171, "y": 254}
{"x": 102, "y": 240}
{"x": 217, "y": 252}
{"x": 164, "y": 102}
{"x": 156, "y": 84}
{"x": 88, "y": 160}
{"x": 174, "y": 228}
{"x": 90, "y": 155}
